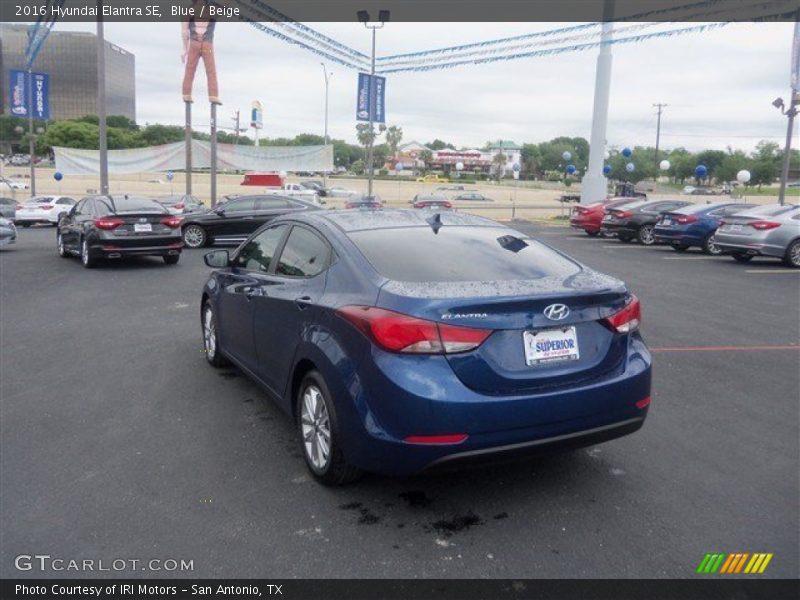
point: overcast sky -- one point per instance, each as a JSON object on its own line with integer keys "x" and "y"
{"x": 719, "y": 84}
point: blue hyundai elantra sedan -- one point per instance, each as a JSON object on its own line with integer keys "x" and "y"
{"x": 403, "y": 340}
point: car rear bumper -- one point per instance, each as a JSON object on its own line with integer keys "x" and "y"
{"x": 116, "y": 249}
{"x": 676, "y": 236}
{"x": 20, "y": 218}
{"x": 432, "y": 401}
{"x": 751, "y": 245}
{"x": 585, "y": 224}
{"x": 619, "y": 228}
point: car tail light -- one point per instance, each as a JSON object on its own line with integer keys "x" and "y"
{"x": 180, "y": 206}
{"x": 171, "y": 222}
{"x": 628, "y": 319}
{"x": 621, "y": 214}
{"x": 107, "y": 223}
{"x": 44, "y": 206}
{"x": 397, "y": 332}
{"x": 764, "y": 225}
{"x": 447, "y": 205}
{"x": 581, "y": 211}
{"x": 686, "y": 219}
{"x": 450, "y": 438}
{"x": 643, "y": 403}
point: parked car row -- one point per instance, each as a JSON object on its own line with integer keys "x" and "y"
{"x": 734, "y": 228}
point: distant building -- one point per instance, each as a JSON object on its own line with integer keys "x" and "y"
{"x": 70, "y": 59}
{"x": 512, "y": 152}
{"x": 409, "y": 155}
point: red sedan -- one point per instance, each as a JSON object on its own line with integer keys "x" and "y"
{"x": 590, "y": 216}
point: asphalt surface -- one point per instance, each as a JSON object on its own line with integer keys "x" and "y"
{"x": 119, "y": 441}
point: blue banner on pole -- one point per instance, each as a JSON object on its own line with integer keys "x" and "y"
{"x": 29, "y": 94}
{"x": 378, "y": 93}
{"x": 363, "y": 100}
{"x": 371, "y": 100}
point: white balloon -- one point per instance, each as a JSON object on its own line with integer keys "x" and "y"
{"x": 630, "y": 167}
{"x": 282, "y": 174}
{"x": 459, "y": 166}
{"x": 743, "y": 176}
{"x": 664, "y": 165}
{"x": 567, "y": 155}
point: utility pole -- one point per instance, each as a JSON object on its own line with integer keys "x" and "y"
{"x": 327, "y": 82}
{"x": 660, "y": 107}
{"x": 791, "y": 113}
{"x": 363, "y": 17}
{"x": 101, "y": 100}
{"x": 31, "y": 141}
{"x": 236, "y": 126}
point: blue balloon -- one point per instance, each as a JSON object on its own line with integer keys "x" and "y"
{"x": 571, "y": 169}
{"x": 170, "y": 175}
{"x": 398, "y": 167}
{"x": 626, "y": 152}
{"x": 58, "y": 176}
{"x": 606, "y": 169}
{"x": 567, "y": 155}
{"x": 630, "y": 167}
{"x": 516, "y": 167}
{"x": 701, "y": 171}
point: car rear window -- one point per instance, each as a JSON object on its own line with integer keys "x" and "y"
{"x": 40, "y": 200}
{"x": 458, "y": 253}
{"x": 136, "y": 205}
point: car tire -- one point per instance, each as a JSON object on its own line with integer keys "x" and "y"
{"x": 624, "y": 238}
{"x": 792, "y": 258}
{"x": 62, "y": 250}
{"x": 194, "y": 236}
{"x": 318, "y": 427}
{"x": 645, "y": 235}
{"x": 592, "y": 233}
{"x": 709, "y": 247}
{"x": 680, "y": 247}
{"x": 87, "y": 260}
{"x": 208, "y": 323}
{"x": 742, "y": 258}
{"x": 172, "y": 259}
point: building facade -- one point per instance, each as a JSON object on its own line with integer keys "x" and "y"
{"x": 70, "y": 60}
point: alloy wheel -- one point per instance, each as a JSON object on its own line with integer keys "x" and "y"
{"x": 711, "y": 247}
{"x": 85, "y": 252}
{"x": 194, "y": 236}
{"x": 316, "y": 428}
{"x": 794, "y": 254}
{"x": 209, "y": 334}
{"x": 646, "y": 235}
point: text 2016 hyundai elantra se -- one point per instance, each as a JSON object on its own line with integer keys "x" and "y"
{"x": 405, "y": 340}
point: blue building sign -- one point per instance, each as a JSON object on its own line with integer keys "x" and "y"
{"x": 29, "y": 93}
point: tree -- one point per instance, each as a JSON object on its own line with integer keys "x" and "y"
{"x": 365, "y": 134}
{"x": 394, "y": 136}
{"x": 438, "y": 144}
{"x": 733, "y": 162}
{"x": 499, "y": 164}
{"x": 157, "y": 135}
{"x": 763, "y": 172}
{"x": 426, "y": 156}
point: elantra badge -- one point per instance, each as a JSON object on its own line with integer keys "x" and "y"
{"x": 556, "y": 312}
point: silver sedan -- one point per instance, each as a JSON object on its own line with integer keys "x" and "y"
{"x": 8, "y": 233}
{"x": 771, "y": 230}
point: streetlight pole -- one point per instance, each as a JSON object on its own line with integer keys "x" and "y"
{"x": 101, "y": 101}
{"x": 31, "y": 141}
{"x": 363, "y": 16}
{"x": 660, "y": 107}
{"x": 327, "y": 82}
{"x": 787, "y": 151}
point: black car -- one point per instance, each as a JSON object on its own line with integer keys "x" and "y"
{"x": 116, "y": 226}
{"x": 637, "y": 221}
{"x": 233, "y": 221}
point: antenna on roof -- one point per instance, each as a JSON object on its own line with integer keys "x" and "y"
{"x": 435, "y": 222}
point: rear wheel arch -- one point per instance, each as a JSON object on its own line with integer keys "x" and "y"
{"x": 303, "y": 367}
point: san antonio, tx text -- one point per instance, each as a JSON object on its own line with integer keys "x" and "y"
{"x": 143, "y": 590}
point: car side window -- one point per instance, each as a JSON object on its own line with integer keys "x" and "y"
{"x": 271, "y": 203}
{"x": 304, "y": 255}
{"x": 257, "y": 254}
{"x": 241, "y": 205}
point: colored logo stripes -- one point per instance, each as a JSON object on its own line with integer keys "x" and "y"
{"x": 738, "y": 562}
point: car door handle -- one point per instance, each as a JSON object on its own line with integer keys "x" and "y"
{"x": 303, "y": 302}
{"x": 252, "y": 292}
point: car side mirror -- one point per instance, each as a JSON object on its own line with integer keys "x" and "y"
{"x": 218, "y": 259}
{"x": 220, "y": 210}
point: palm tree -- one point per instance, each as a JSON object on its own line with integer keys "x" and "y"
{"x": 393, "y": 137}
{"x": 499, "y": 163}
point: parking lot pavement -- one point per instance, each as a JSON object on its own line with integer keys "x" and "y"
{"x": 119, "y": 441}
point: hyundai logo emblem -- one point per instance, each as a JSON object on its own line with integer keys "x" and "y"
{"x": 556, "y": 312}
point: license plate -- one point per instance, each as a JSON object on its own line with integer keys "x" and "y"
{"x": 142, "y": 227}
{"x": 666, "y": 223}
{"x": 550, "y": 345}
{"x": 735, "y": 228}
{"x": 607, "y": 218}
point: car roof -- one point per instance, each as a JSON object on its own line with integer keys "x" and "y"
{"x": 348, "y": 221}
{"x": 696, "y": 208}
{"x": 768, "y": 209}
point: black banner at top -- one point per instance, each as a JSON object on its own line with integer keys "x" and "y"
{"x": 401, "y": 10}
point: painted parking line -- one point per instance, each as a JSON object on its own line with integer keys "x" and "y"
{"x": 622, "y": 245}
{"x": 691, "y": 257}
{"x": 773, "y": 271}
{"x": 726, "y": 348}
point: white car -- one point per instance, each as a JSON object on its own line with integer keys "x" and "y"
{"x": 340, "y": 192}
{"x": 9, "y": 184}
{"x": 688, "y": 189}
{"x": 43, "y": 209}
